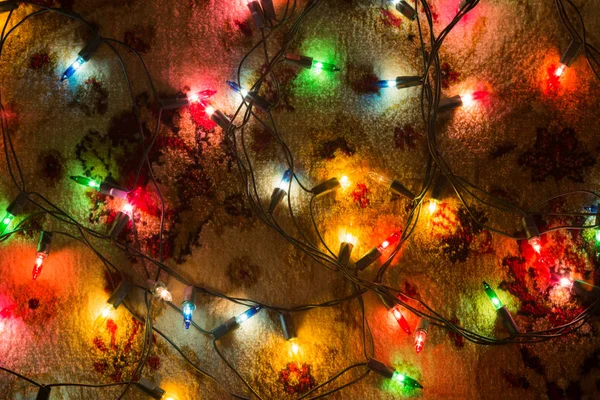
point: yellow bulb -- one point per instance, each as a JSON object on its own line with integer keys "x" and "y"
{"x": 105, "y": 312}
{"x": 432, "y": 206}
{"x": 344, "y": 182}
{"x": 295, "y": 348}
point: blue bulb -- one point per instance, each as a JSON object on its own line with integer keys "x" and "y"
{"x": 246, "y": 315}
{"x": 284, "y": 184}
{"x": 72, "y": 68}
{"x": 234, "y": 86}
{"x": 187, "y": 309}
{"x": 390, "y": 83}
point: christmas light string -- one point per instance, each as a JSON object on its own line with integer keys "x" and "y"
{"x": 312, "y": 247}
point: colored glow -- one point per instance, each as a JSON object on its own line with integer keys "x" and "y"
{"x": 37, "y": 267}
{"x": 566, "y": 282}
{"x": 6, "y": 222}
{"x": 398, "y": 377}
{"x": 401, "y": 320}
{"x": 209, "y": 110}
{"x": 390, "y": 83}
{"x": 535, "y": 243}
{"x": 560, "y": 70}
{"x": 246, "y": 315}
{"x": 193, "y": 98}
{"x": 344, "y": 182}
{"x": 492, "y": 296}
{"x": 406, "y": 380}
{"x": 102, "y": 317}
{"x": 380, "y": 179}
{"x": 73, "y": 68}
{"x": 323, "y": 66}
{"x": 164, "y": 294}
{"x": 350, "y": 238}
{"x": 187, "y": 309}
{"x": 295, "y": 348}
{"x": 392, "y": 239}
{"x": 420, "y": 337}
{"x": 237, "y": 88}
{"x": 85, "y": 181}
{"x": 127, "y": 209}
{"x": 598, "y": 236}
{"x": 432, "y": 207}
{"x": 469, "y": 99}
{"x": 284, "y": 184}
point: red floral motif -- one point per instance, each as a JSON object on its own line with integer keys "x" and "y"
{"x": 296, "y": 378}
{"x": 558, "y": 155}
{"x": 39, "y": 61}
{"x": 390, "y": 18}
{"x": 360, "y": 195}
{"x": 449, "y": 76}
{"x": 405, "y": 137}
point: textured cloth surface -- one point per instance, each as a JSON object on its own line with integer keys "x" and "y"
{"x": 531, "y": 138}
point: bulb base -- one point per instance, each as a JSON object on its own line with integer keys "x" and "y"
{"x": 344, "y": 253}
{"x": 405, "y": 9}
{"x": 276, "y": 198}
{"x": 507, "y": 320}
{"x": 368, "y": 259}
{"x": 223, "y": 329}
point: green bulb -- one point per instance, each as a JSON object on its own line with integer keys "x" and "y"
{"x": 85, "y": 181}
{"x": 323, "y": 66}
{"x": 492, "y": 296}
{"x": 598, "y": 236}
{"x": 406, "y": 380}
{"x": 6, "y": 222}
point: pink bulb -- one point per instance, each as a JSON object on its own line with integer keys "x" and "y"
{"x": 193, "y": 98}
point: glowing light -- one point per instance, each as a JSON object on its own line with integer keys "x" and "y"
{"x": 163, "y": 293}
{"x": 284, "y": 184}
{"x": 492, "y": 296}
{"x": 566, "y": 282}
{"x": 6, "y": 222}
{"x": 391, "y": 83}
{"x": 85, "y": 181}
{"x": 344, "y": 182}
{"x": 401, "y": 320}
{"x": 598, "y": 236}
{"x": 432, "y": 207}
{"x": 127, "y": 208}
{"x": 194, "y": 98}
{"x": 535, "y": 243}
{"x": 246, "y": 315}
{"x": 560, "y": 70}
{"x": 406, "y": 380}
{"x": 420, "y": 340}
{"x": 392, "y": 239}
{"x": 467, "y": 99}
{"x": 72, "y": 68}
{"x": 350, "y": 238}
{"x": 37, "y": 267}
{"x": 295, "y": 348}
{"x": 187, "y": 309}
{"x": 102, "y": 317}
{"x": 323, "y": 66}
{"x": 209, "y": 110}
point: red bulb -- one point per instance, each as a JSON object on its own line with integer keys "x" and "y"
{"x": 560, "y": 70}
{"x": 37, "y": 267}
{"x": 420, "y": 337}
{"x": 392, "y": 239}
{"x": 535, "y": 243}
{"x": 401, "y": 320}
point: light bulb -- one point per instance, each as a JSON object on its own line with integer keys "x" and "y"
{"x": 432, "y": 207}
{"x": 344, "y": 182}
{"x": 492, "y": 296}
